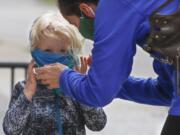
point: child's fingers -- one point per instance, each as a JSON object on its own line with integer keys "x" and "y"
{"x": 89, "y": 60}
{"x": 83, "y": 65}
{"x": 34, "y": 71}
{"x": 30, "y": 70}
{"x": 76, "y": 68}
{"x": 30, "y": 66}
{"x": 81, "y": 58}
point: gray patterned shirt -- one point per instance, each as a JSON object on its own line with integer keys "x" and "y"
{"x": 38, "y": 117}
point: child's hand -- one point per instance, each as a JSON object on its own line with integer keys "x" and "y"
{"x": 89, "y": 60}
{"x": 30, "y": 87}
{"x": 84, "y": 65}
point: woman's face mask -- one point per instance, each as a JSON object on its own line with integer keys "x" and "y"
{"x": 87, "y": 26}
{"x": 44, "y": 58}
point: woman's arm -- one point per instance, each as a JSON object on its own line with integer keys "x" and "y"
{"x": 18, "y": 112}
{"x": 95, "y": 118}
{"x": 147, "y": 91}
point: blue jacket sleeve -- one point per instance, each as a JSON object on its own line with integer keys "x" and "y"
{"x": 112, "y": 56}
{"x": 146, "y": 91}
{"x": 117, "y": 26}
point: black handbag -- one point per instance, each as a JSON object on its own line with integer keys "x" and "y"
{"x": 164, "y": 38}
{"x": 163, "y": 42}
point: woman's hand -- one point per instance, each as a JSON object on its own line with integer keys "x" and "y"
{"x": 30, "y": 87}
{"x": 49, "y": 74}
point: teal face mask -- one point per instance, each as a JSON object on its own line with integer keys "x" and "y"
{"x": 87, "y": 27}
{"x": 44, "y": 58}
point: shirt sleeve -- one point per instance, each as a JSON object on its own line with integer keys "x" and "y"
{"x": 112, "y": 55}
{"x": 18, "y": 112}
{"x": 146, "y": 91}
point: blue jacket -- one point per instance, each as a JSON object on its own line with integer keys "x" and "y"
{"x": 119, "y": 26}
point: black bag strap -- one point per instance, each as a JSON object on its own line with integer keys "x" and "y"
{"x": 161, "y": 7}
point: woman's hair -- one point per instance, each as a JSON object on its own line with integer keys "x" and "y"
{"x": 71, "y": 7}
{"x": 53, "y": 25}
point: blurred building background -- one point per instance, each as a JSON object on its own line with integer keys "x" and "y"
{"x": 124, "y": 118}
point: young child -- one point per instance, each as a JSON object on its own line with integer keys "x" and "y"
{"x": 36, "y": 110}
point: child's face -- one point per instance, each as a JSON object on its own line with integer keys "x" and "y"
{"x": 54, "y": 45}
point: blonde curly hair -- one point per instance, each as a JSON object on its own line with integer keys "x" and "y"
{"x": 53, "y": 25}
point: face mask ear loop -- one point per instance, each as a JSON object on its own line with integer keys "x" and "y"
{"x": 177, "y": 72}
{"x": 82, "y": 15}
{"x": 92, "y": 12}
{"x": 161, "y": 7}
